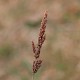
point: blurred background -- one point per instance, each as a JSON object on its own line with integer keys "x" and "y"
{"x": 19, "y": 25}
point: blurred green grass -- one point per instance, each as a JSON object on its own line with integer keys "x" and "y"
{"x": 6, "y": 51}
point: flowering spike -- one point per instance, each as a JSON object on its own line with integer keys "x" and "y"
{"x": 37, "y": 49}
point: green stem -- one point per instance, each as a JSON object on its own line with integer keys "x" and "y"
{"x": 33, "y": 76}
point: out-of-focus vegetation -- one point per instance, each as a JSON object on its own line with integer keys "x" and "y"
{"x": 19, "y": 25}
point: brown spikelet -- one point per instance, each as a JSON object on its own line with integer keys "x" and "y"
{"x": 33, "y": 46}
{"x": 37, "y": 48}
{"x": 36, "y": 65}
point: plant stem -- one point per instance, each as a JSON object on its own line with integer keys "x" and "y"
{"x": 33, "y": 76}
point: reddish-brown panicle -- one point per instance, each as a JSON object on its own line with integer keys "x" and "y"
{"x": 37, "y": 48}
